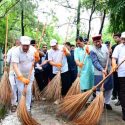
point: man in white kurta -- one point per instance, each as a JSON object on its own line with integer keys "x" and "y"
{"x": 23, "y": 59}
{"x": 12, "y": 78}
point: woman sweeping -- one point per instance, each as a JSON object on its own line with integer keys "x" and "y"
{"x": 85, "y": 66}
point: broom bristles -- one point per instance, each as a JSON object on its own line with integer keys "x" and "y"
{"x": 23, "y": 114}
{"x": 93, "y": 113}
{"x": 72, "y": 105}
{"x": 52, "y": 91}
{"x": 36, "y": 91}
{"x": 75, "y": 88}
{"x": 5, "y": 89}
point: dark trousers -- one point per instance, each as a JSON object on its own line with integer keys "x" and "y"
{"x": 73, "y": 75}
{"x": 122, "y": 94}
{"x": 116, "y": 85}
{"x": 66, "y": 82}
{"x": 41, "y": 79}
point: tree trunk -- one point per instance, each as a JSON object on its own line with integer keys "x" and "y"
{"x": 102, "y": 23}
{"x": 22, "y": 22}
{"x": 78, "y": 18}
{"x": 90, "y": 19}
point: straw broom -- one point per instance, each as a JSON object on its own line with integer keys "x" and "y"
{"x": 92, "y": 114}
{"x": 72, "y": 105}
{"x": 95, "y": 109}
{"x": 75, "y": 88}
{"x": 35, "y": 89}
{"x": 52, "y": 91}
{"x": 22, "y": 112}
{"x": 5, "y": 88}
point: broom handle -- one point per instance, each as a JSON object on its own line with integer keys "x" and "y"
{"x": 83, "y": 63}
{"x": 100, "y": 83}
{"x": 6, "y": 39}
{"x": 37, "y": 31}
{"x": 43, "y": 31}
{"x": 67, "y": 30}
{"x": 106, "y": 69}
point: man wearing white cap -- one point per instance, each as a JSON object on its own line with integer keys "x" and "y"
{"x": 117, "y": 57}
{"x": 57, "y": 58}
{"x": 23, "y": 59}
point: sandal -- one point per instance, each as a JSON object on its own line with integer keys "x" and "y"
{"x": 13, "y": 108}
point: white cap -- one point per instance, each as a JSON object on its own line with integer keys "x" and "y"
{"x": 53, "y": 42}
{"x": 123, "y": 35}
{"x": 25, "y": 40}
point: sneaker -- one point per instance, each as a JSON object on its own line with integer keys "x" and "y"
{"x": 117, "y": 103}
{"x": 108, "y": 106}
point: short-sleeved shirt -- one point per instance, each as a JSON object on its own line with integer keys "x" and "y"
{"x": 23, "y": 59}
{"x": 57, "y": 56}
{"x": 119, "y": 54}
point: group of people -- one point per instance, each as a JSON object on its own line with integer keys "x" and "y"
{"x": 91, "y": 63}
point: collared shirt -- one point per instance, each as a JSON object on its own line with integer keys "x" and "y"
{"x": 24, "y": 60}
{"x": 57, "y": 56}
{"x": 119, "y": 54}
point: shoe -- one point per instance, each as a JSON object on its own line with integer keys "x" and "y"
{"x": 114, "y": 97}
{"x": 108, "y": 106}
{"x": 117, "y": 103}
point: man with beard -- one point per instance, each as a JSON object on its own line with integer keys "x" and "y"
{"x": 23, "y": 58}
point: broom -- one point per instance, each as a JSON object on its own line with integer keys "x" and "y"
{"x": 5, "y": 88}
{"x": 35, "y": 89}
{"x": 73, "y": 104}
{"x": 75, "y": 88}
{"x": 52, "y": 91}
{"x": 22, "y": 112}
{"x": 93, "y": 113}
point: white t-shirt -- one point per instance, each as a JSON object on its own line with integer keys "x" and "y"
{"x": 119, "y": 54}
{"x": 58, "y": 57}
{"x": 24, "y": 60}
